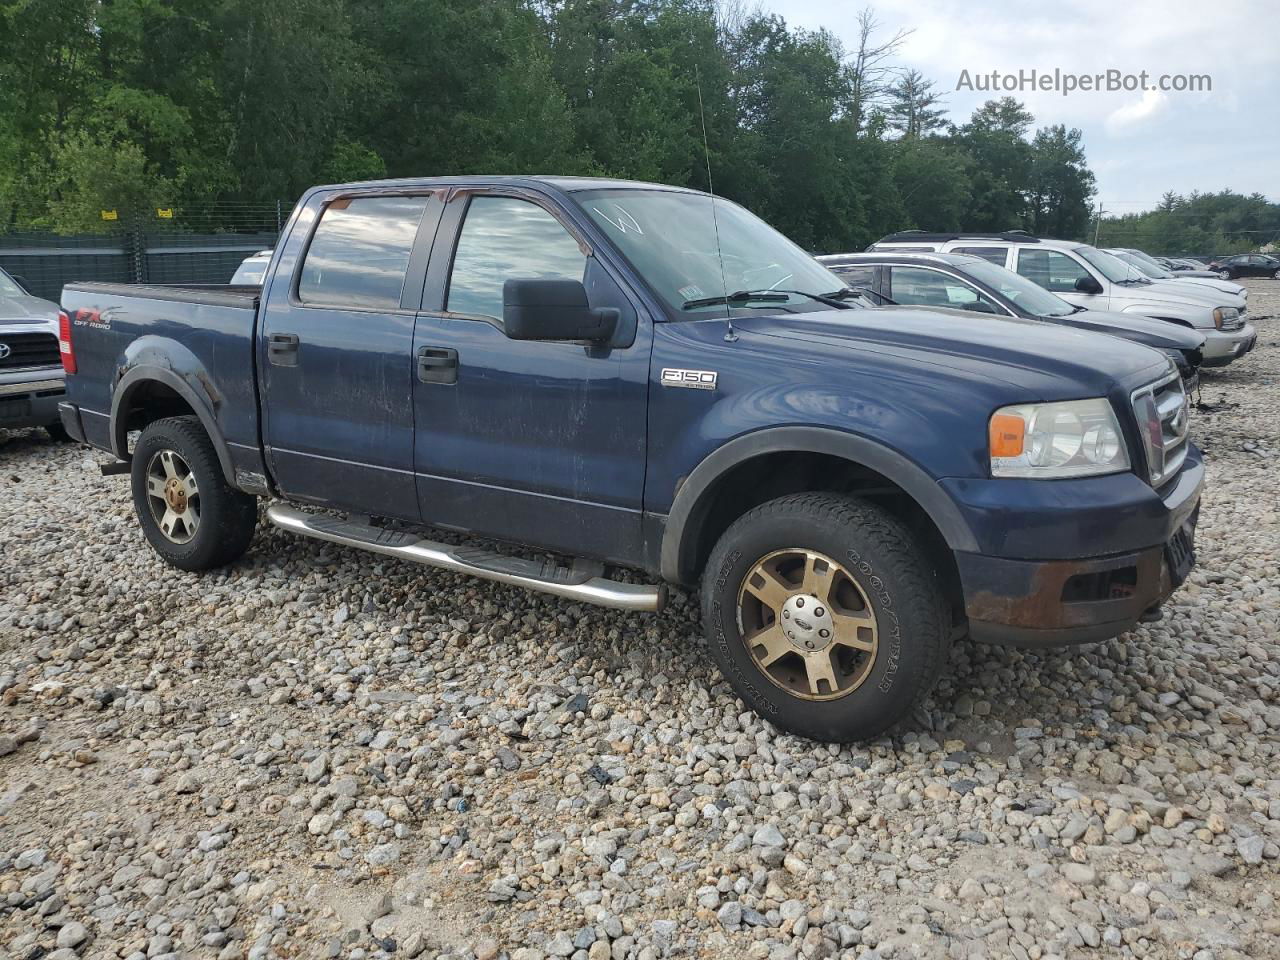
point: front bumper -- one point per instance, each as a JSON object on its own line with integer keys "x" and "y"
{"x": 1221, "y": 347}
{"x": 1055, "y": 602}
{"x": 31, "y": 403}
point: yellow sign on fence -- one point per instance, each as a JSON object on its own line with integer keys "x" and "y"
{"x": 110, "y": 215}
{"x": 164, "y": 213}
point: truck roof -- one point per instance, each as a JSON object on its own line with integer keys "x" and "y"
{"x": 564, "y": 184}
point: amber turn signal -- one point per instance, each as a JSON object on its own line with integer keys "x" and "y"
{"x": 1006, "y": 435}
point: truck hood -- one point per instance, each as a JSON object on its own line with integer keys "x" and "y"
{"x": 1047, "y": 360}
{"x": 1153, "y": 333}
{"x": 25, "y": 310}
{"x": 1209, "y": 282}
{"x": 1183, "y": 291}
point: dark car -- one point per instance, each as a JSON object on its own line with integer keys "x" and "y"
{"x": 1246, "y": 265}
{"x": 976, "y": 284}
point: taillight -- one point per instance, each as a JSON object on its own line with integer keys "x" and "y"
{"x": 65, "y": 349}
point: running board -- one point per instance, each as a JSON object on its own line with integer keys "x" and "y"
{"x": 582, "y": 580}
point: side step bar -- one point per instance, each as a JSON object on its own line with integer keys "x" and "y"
{"x": 581, "y": 581}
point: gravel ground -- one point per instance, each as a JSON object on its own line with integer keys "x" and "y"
{"x": 318, "y": 752}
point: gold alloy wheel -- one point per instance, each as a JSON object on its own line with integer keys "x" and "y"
{"x": 807, "y": 624}
{"x": 173, "y": 496}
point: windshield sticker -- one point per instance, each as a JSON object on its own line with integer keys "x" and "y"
{"x": 691, "y": 292}
{"x": 622, "y": 219}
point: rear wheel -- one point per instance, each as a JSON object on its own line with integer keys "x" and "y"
{"x": 187, "y": 510}
{"x": 1276, "y": 275}
{"x": 824, "y": 615}
{"x": 1224, "y": 274}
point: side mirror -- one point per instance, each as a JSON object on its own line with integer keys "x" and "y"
{"x": 1088, "y": 285}
{"x": 553, "y": 310}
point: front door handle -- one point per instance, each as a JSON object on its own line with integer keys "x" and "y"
{"x": 437, "y": 365}
{"x": 282, "y": 349}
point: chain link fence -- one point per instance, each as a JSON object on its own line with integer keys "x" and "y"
{"x": 197, "y": 244}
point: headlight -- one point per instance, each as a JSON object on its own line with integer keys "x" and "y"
{"x": 1223, "y": 314}
{"x": 1076, "y": 438}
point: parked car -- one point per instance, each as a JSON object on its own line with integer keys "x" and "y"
{"x": 31, "y": 378}
{"x": 969, "y": 283}
{"x": 1246, "y": 265}
{"x": 1146, "y": 266}
{"x": 1181, "y": 264}
{"x": 648, "y": 377}
{"x": 251, "y": 270}
{"x": 1088, "y": 277}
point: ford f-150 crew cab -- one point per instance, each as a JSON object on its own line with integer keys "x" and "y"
{"x": 637, "y": 376}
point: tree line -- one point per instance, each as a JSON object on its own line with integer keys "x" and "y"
{"x": 1199, "y": 223}
{"x": 133, "y": 104}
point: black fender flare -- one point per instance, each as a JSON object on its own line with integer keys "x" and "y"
{"x": 143, "y": 374}
{"x": 683, "y": 526}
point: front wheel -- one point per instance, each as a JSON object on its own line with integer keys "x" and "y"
{"x": 1276, "y": 275}
{"x": 1224, "y": 275}
{"x": 189, "y": 513}
{"x": 825, "y": 616}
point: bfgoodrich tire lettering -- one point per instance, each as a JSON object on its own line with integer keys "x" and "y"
{"x": 902, "y": 599}
{"x": 227, "y": 517}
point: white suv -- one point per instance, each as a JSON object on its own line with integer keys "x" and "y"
{"x": 1090, "y": 278}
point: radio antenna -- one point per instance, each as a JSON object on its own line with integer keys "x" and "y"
{"x": 730, "y": 336}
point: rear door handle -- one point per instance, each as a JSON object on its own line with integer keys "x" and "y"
{"x": 437, "y": 365}
{"x": 282, "y": 349}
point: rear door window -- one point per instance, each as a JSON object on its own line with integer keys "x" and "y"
{"x": 359, "y": 253}
{"x": 855, "y": 275}
{"x": 996, "y": 255}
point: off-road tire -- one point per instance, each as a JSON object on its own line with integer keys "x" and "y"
{"x": 227, "y": 516}
{"x": 901, "y": 587}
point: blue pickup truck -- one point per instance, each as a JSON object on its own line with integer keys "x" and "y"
{"x": 624, "y": 375}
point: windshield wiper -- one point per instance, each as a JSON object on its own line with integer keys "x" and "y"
{"x": 746, "y": 297}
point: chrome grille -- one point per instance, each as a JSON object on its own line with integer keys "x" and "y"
{"x": 1163, "y": 421}
{"x": 28, "y": 350}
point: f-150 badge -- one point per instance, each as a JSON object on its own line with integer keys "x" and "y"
{"x": 693, "y": 379}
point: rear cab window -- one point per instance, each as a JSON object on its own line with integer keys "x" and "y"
{"x": 359, "y": 253}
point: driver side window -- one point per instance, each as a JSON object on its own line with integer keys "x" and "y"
{"x": 931, "y": 288}
{"x": 504, "y": 238}
{"x": 1052, "y": 270}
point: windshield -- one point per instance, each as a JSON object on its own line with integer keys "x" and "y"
{"x": 1113, "y": 268}
{"x": 9, "y": 287}
{"x": 1144, "y": 263}
{"x": 1029, "y": 296}
{"x": 670, "y": 239}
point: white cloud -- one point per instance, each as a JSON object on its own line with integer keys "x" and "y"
{"x": 1138, "y": 146}
{"x": 1124, "y": 119}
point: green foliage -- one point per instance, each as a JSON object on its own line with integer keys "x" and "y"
{"x": 1202, "y": 223}
{"x": 108, "y": 104}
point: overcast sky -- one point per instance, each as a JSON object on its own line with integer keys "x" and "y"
{"x": 1139, "y": 144}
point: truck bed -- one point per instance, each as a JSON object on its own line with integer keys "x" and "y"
{"x": 194, "y": 342}
{"x": 211, "y": 294}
